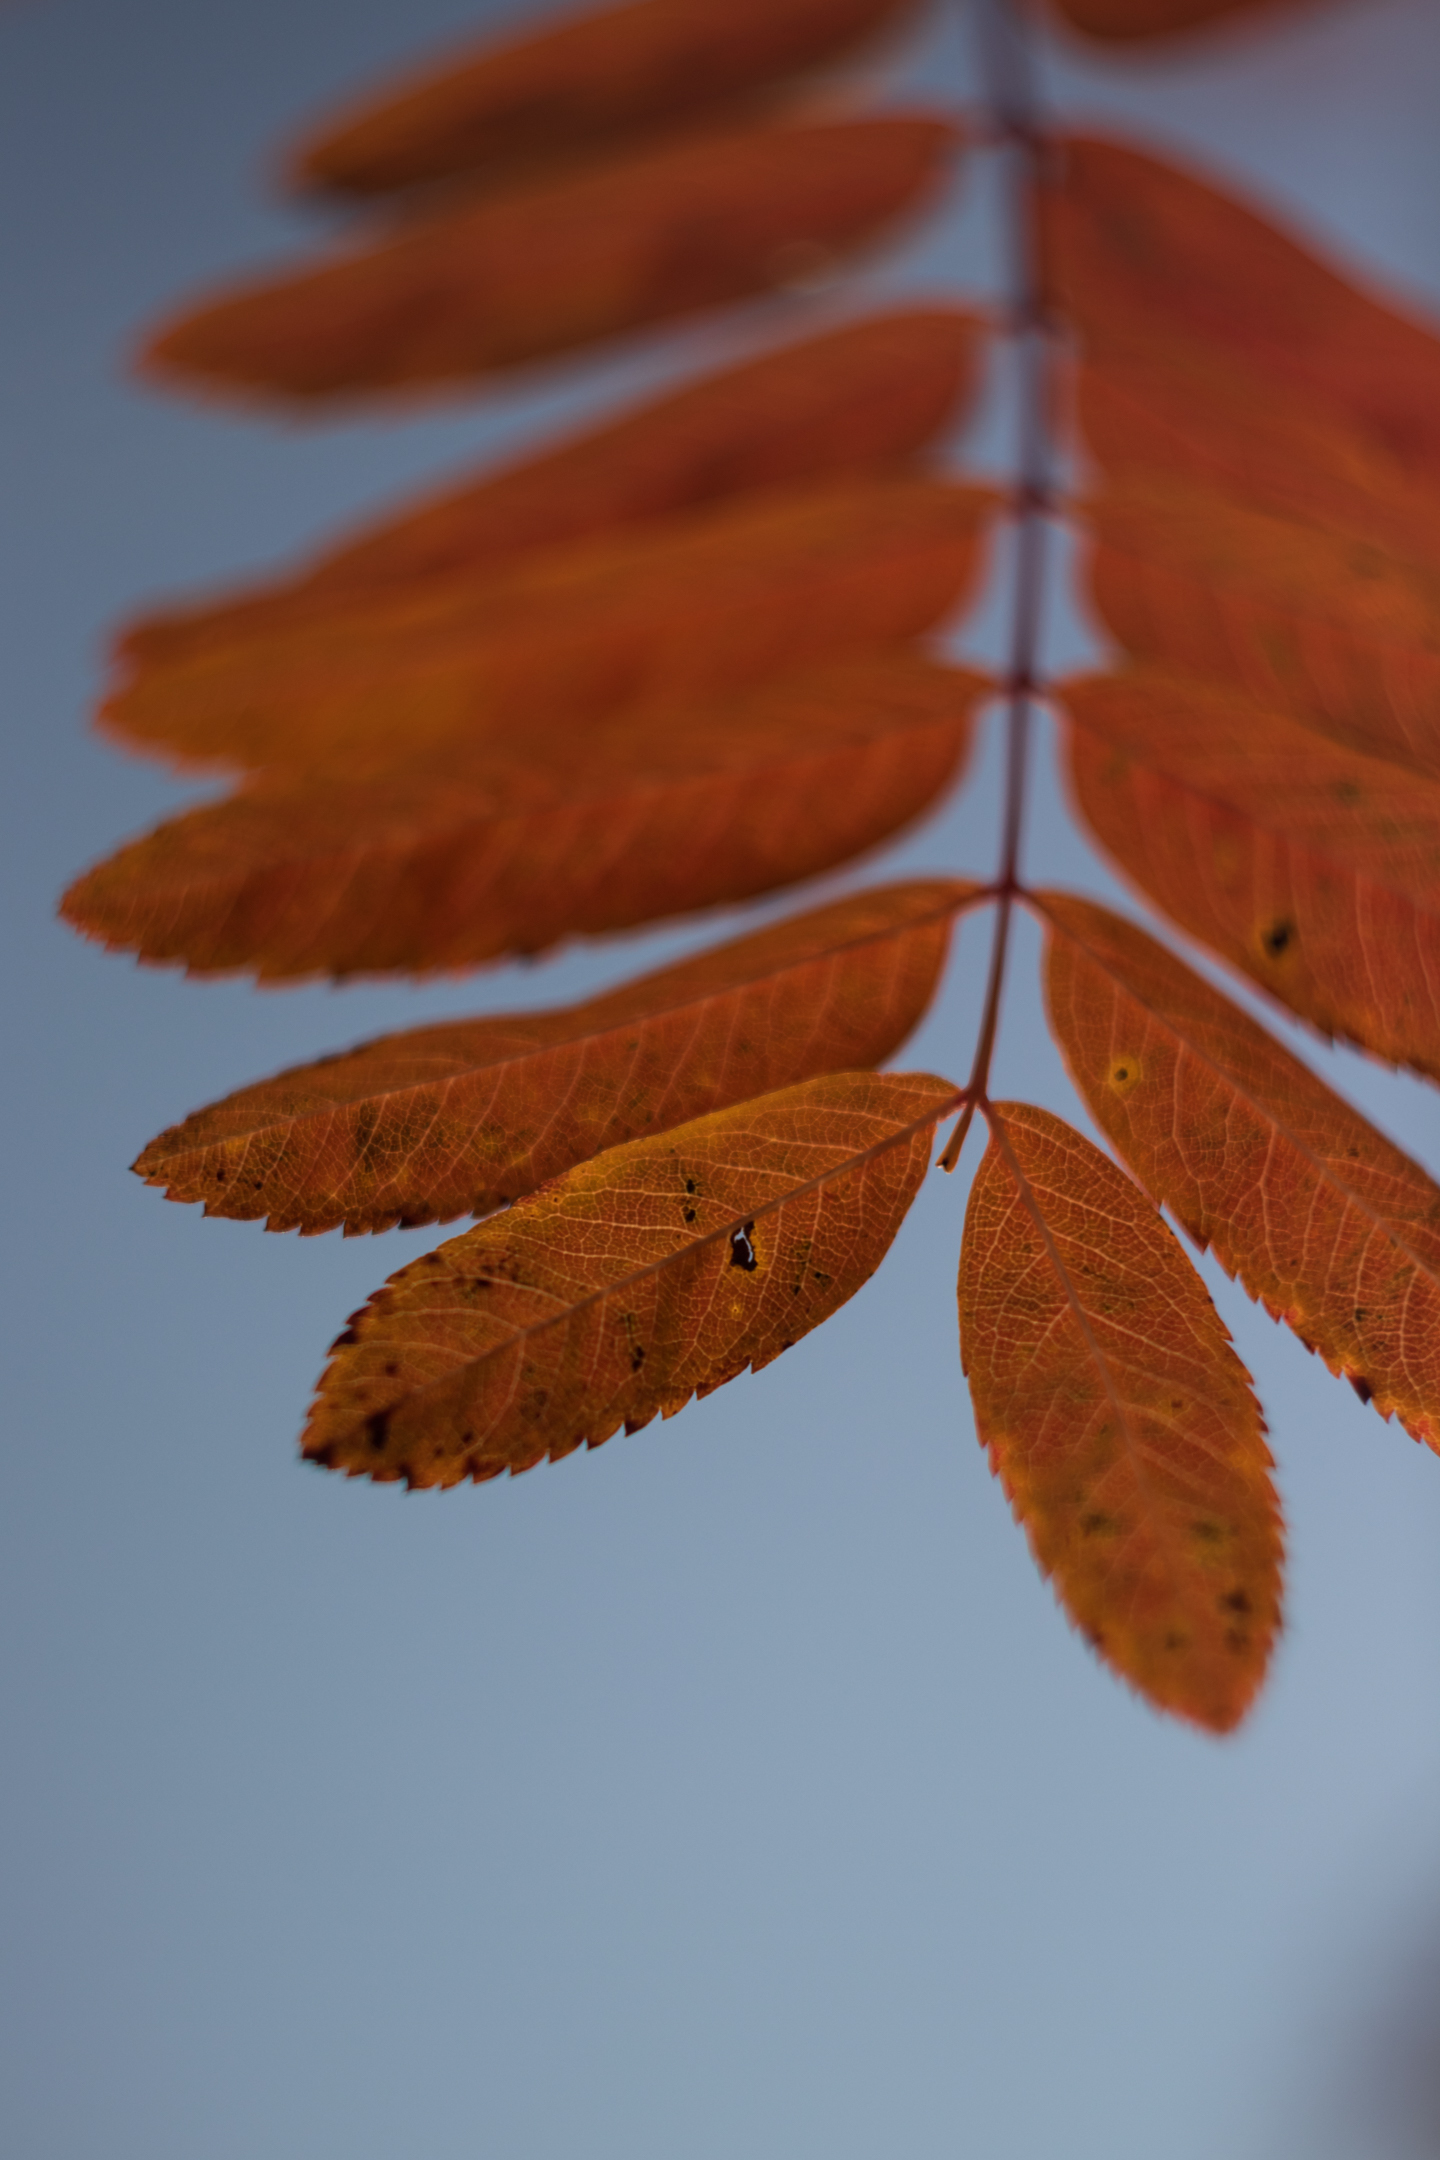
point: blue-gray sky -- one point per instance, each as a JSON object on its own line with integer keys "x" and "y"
{"x": 736, "y": 1789}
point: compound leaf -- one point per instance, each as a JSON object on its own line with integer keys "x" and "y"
{"x": 1313, "y": 868}
{"x": 1318, "y": 1214}
{"x": 471, "y": 287}
{"x": 868, "y": 395}
{"x": 578, "y": 89}
{"x": 585, "y": 831}
{"x": 468, "y": 1115}
{"x": 656, "y": 1272}
{"x": 1119, "y": 1420}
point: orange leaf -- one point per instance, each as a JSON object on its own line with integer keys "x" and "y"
{"x": 1125, "y": 21}
{"x": 1316, "y": 1212}
{"x": 468, "y": 1115}
{"x": 1170, "y": 411}
{"x": 1314, "y": 869}
{"x": 686, "y": 609}
{"x": 867, "y": 395}
{"x": 475, "y": 286}
{"x": 1308, "y": 621}
{"x": 657, "y": 1272}
{"x": 581, "y": 87}
{"x": 1311, "y": 867}
{"x": 1119, "y": 1420}
{"x": 442, "y": 867}
{"x": 1134, "y": 246}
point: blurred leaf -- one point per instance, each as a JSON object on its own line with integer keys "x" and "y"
{"x": 1305, "y": 619}
{"x": 579, "y": 88}
{"x": 1313, "y": 868}
{"x": 866, "y": 396}
{"x": 679, "y": 611}
{"x": 586, "y": 831}
{"x": 1130, "y": 21}
{"x": 1135, "y": 248}
{"x": 470, "y": 287}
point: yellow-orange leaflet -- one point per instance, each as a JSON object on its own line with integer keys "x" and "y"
{"x": 465, "y": 1116}
{"x": 1313, "y": 868}
{"x": 1119, "y": 1420}
{"x": 471, "y": 287}
{"x": 1317, "y": 1213}
{"x": 579, "y": 88}
{"x": 656, "y": 1272}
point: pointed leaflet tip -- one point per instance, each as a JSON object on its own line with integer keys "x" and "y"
{"x": 1119, "y": 1420}
{"x": 675, "y": 611}
{"x": 580, "y": 88}
{"x": 614, "y": 1294}
{"x": 1318, "y": 1214}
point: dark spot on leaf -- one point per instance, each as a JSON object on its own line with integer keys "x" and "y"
{"x": 1277, "y": 938}
{"x": 377, "y": 1429}
{"x": 742, "y": 1251}
{"x": 1234, "y": 1601}
{"x": 637, "y": 1357}
{"x": 344, "y": 1339}
{"x": 221, "y": 1174}
{"x": 391, "y": 1369}
{"x": 689, "y": 1214}
{"x": 689, "y": 1184}
{"x": 1209, "y": 1533}
{"x": 1361, "y": 1386}
{"x": 1094, "y": 1523}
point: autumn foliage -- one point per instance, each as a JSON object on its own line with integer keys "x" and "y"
{"x": 690, "y": 658}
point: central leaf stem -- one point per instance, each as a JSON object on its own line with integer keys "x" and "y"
{"x": 1014, "y": 114}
